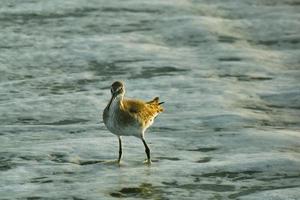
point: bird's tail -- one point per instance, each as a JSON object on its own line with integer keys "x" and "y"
{"x": 155, "y": 102}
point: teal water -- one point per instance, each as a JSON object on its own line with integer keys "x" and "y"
{"x": 227, "y": 71}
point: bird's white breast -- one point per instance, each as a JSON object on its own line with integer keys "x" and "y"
{"x": 116, "y": 127}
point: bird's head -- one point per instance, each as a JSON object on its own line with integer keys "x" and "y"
{"x": 117, "y": 89}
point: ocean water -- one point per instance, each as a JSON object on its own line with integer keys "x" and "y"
{"x": 228, "y": 71}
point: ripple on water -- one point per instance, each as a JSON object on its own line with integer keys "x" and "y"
{"x": 197, "y": 186}
{"x": 204, "y": 149}
{"x": 145, "y": 190}
{"x": 232, "y": 175}
{"x": 148, "y": 72}
{"x": 6, "y": 162}
{"x": 204, "y": 160}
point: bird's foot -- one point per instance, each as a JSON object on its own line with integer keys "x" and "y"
{"x": 147, "y": 162}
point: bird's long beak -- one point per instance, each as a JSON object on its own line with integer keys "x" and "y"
{"x": 113, "y": 96}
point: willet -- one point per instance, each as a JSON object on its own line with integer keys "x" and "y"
{"x": 129, "y": 117}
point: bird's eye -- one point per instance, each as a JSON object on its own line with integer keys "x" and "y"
{"x": 120, "y": 90}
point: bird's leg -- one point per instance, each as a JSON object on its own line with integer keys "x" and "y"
{"x": 120, "y": 149}
{"x": 147, "y": 150}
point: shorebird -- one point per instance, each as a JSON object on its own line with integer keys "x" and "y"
{"x": 130, "y": 117}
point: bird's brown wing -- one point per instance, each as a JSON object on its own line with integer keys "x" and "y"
{"x": 142, "y": 111}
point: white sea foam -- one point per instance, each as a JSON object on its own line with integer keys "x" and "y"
{"x": 228, "y": 73}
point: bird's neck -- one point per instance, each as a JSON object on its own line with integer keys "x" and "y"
{"x": 116, "y": 102}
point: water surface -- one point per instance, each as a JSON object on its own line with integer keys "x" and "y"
{"x": 228, "y": 71}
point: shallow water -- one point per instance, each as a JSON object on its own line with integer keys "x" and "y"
{"x": 228, "y": 71}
